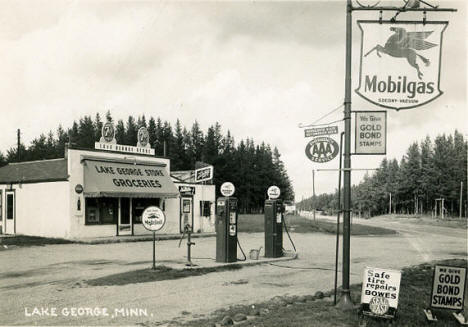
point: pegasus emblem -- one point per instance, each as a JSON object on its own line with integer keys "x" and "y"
{"x": 404, "y": 44}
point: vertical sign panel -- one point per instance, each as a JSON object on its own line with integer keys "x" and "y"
{"x": 371, "y": 132}
{"x": 380, "y": 289}
{"x": 448, "y": 288}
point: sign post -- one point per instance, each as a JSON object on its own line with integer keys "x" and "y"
{"x": 345, "y": 302}
{"x": 153, "y": 219}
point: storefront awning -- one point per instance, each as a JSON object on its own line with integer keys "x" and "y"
{"x": 126, "y": 178}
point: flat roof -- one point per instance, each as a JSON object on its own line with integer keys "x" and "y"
{"x": 34, "y": 171}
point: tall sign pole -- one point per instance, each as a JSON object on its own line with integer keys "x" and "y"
{"x": 345, "y": 302}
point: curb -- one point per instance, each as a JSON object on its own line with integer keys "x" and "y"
{"x": 142, "y": 238}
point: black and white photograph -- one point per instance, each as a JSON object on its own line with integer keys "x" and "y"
{"x": 220, "y": 163}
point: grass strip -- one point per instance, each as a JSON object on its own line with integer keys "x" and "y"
{"x": 296, "y": 224}
{"x": 24, "y": 240}
{"x": 159, "y": 274}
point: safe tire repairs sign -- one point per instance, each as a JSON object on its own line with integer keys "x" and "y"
{"x": 371, "y": 132}
{"x": 448, "y": 288}
{"x": 380, "y": 289}
{"x": 322, "y": 149}
{"x": 400, "y": 63}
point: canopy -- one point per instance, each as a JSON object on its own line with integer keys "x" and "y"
{"x": 126, "y": 178}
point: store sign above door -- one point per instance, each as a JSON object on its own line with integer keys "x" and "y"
{"x": 123, "y": 148}
{"x": 371, "y": 132}
{"x": 108, "y": 142}
{"x": 313, "y": 132}
{"x": 187, "y": 190}
{"x": 400, "y": 63}
{"x": 129, "y": 180}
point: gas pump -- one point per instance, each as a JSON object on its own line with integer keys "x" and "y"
{"x": 274, "y": 212}
{"x": 226, "y": 229}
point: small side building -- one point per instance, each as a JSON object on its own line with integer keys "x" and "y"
{"x": 94, "y": 193}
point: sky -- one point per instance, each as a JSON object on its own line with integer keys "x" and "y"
{"x": 259, "y": 68}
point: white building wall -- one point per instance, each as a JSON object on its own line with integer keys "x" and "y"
{"x": 42, "y": 209}
{"x": 202, "y": 193}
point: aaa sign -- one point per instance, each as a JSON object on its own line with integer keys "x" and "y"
{"x": 322, "y": 149}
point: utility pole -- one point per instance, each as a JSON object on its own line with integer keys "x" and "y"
{"x": 390, "y": 205}
{"x": 461, "y": 198}
{"x": 345, "y": 302}
{"x": 313, "y": 190}
{"x": 19, "y": 143}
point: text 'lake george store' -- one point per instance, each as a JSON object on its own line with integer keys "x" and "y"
{"x": 100, "y": 193}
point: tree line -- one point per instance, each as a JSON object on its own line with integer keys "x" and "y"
{"x": 251, "y": 167}
{"x": 430, "y": 171}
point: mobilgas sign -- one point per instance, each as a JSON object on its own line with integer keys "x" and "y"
{"x": 371, "y": 132}
{"x": 322, "y": 149}
{"x": 448, "y": 288}
{"x": 380, "y": 289}
{"x": 400, "y": 63}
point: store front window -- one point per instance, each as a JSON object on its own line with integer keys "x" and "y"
{"x": 102, "y": 211}
{"x": 205, "y": 208}
{"x": 140, "y": 204}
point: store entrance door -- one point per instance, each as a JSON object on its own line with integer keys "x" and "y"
{"x": 10, "y": 212}
{"x": 186, "y": 213}
{"x": 124, "y": 226}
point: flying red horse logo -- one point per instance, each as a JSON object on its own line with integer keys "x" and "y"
{"x": 404, "y": 44}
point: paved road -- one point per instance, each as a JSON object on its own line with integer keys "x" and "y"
{"x": 55, "y": 276}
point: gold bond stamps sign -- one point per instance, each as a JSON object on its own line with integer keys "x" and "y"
{"x": 371, "y": 132}
{"x": 400, "y": 63}
{"x": 448, "y": 288}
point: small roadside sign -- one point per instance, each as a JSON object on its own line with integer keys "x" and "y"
{"x": 448, "y": 288}
{"x": 313, "y": 132}
{"x": 153, "y": 218}
{"x": 380, "y": 289}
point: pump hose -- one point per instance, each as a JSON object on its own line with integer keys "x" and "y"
{"x": 240, "y": 247}
{"x": 287, "y": 232}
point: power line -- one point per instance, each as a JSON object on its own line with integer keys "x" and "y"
{"x": 326, "y": 115}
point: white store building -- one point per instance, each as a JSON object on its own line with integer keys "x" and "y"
{"x": 99, "y": 193}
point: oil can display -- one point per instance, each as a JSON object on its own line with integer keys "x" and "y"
{"x": 226, "y": 229}
{"x": 274, "y": 211}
